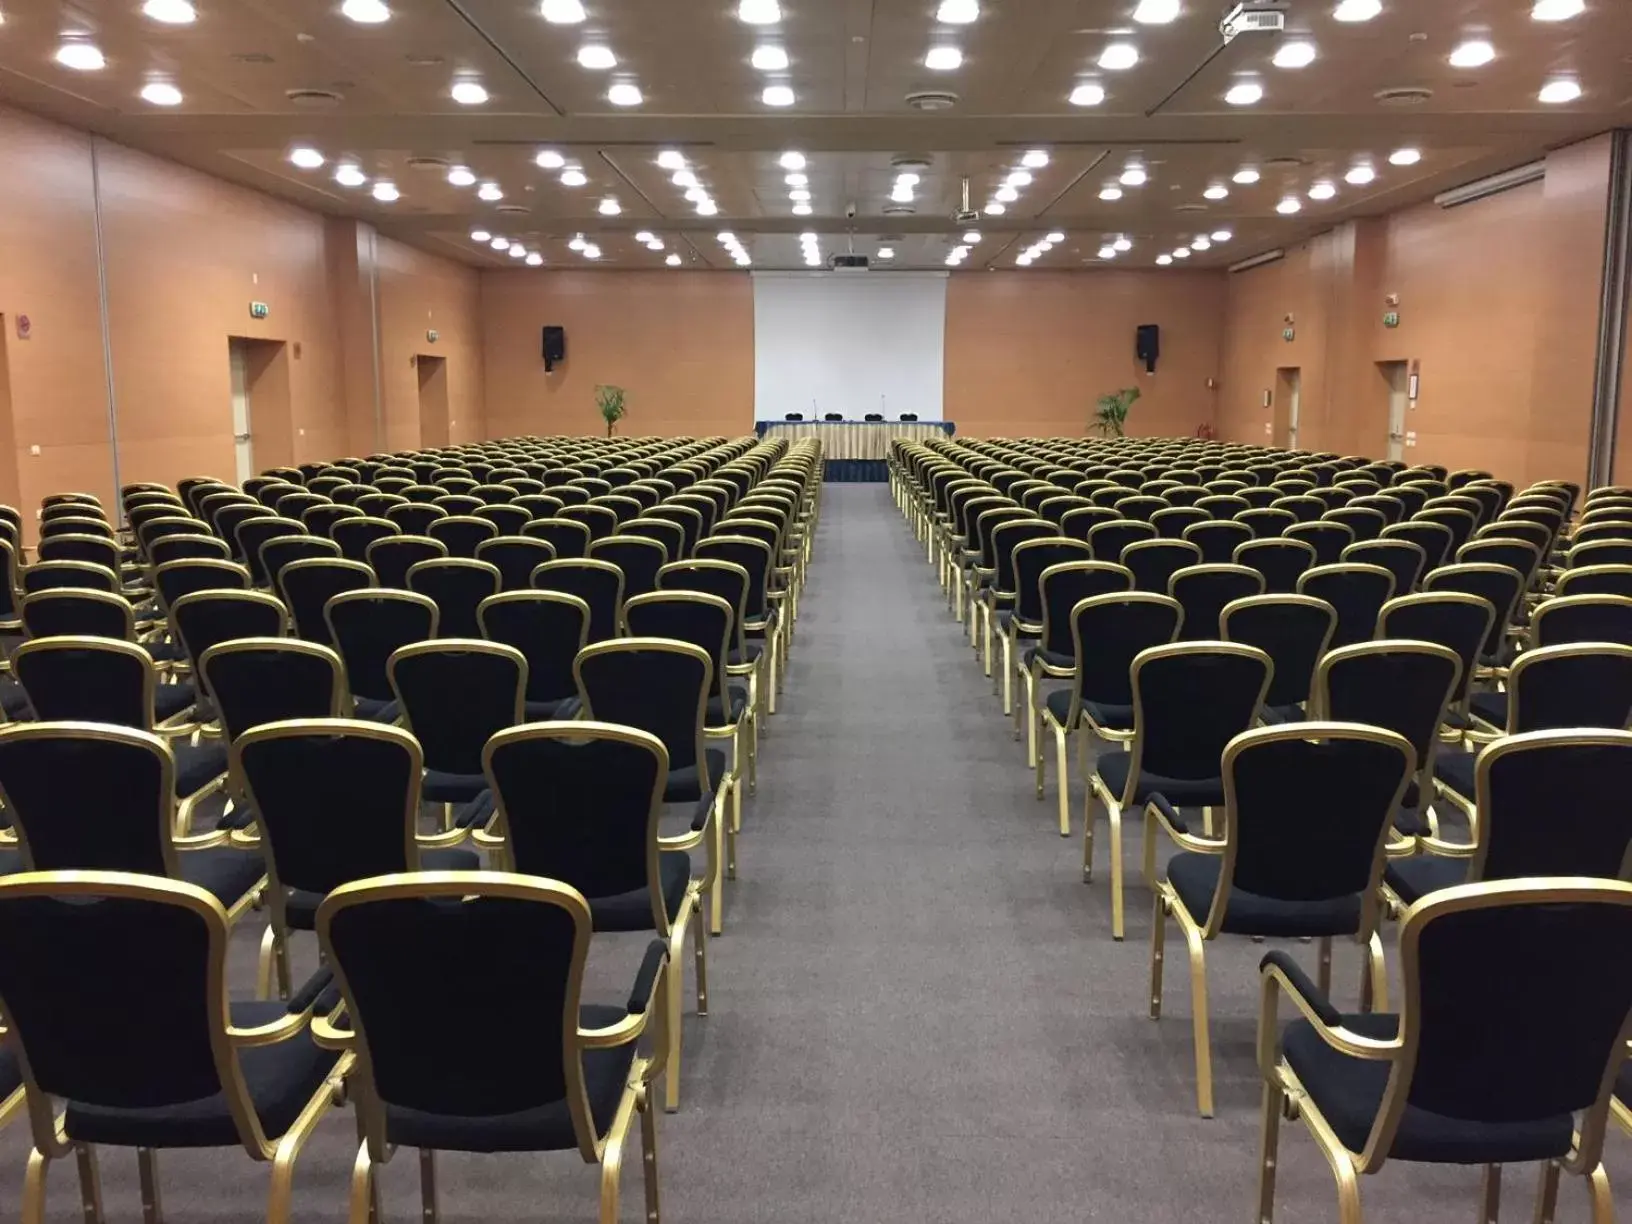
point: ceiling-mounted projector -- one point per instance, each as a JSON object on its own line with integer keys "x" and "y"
{"x": 848, "y": 263}
{"x": 1253, "y": 17}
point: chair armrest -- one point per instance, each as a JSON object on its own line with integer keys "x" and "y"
{"x": 317, "y": 990}
{"x": 1178, "y": 828}
{"x": 328, "y": 1033}
{"x": 640, "y": 997}
{"x": 318, "y": 993}
{"x": 201, "y": 841}
{"x": 701, "y": 813}
{"x": 697, "y": 830}
{"x": 1280, "y": 972}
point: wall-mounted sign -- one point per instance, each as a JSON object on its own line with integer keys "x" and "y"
{"x": 1391, "y": 318}
{"x": 1289, "y": 334}
{"x": 25, "y": 327}
{"x": 431, "y": 335}
{"x": 1413, "y": 387}
{"x": 259, "y": 310}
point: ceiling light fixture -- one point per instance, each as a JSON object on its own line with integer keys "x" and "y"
{"x": 1294, "y": 55}
{"x": 1322, "y": 190}
{"x": 349, "y": 175}
{"x": 573, "y": 178}
{"x": 170, "y": 12}
{"x": 799, "y": 195}
{"x": 480, "y": 236}
{"x": 549, "y": 159}
{"x": 576, "y": 243}
{"x": 1289, "y": 205}
{"x": 306, "y": 157}
{"x": 1123, "y": 243}
{"x": 1405, "y": 157}
{"x": 1035, "y": 159}
{"x": 1134, "y": 176}
{"x": 385, "y": 191}
{"x": 1006, "y": 194}
{"x": 1245, "y": 176}
{"x": 886, "y": 252}
{"x": 624, "y": 93}
{"x": 591, "y": 251}
{"x": 1164, "y": 259}
{"x": 707, "y": 208}
{"x": 769, "y": 59}
{"x": 1247, "y": 93}
{"x": 595, "y": 56}
{"x": 81, "y": 56}
{"x": 534, "y": 259}
{"x": 1357, "y": 10}
{"x": 759, "y": 12}
{"x": 161, "y": 93}
{"x": 1557, "y": 10}
{"x": 1107, "y": 251}
{"x": 468, "y": 93}
{"x": 1182, "y": 253}
{"x": 1087, "y": 95}
{"x": 1216, "y": 192}
{"x": 906, "y": 179}
{"x": 365, "y": 12}
{"x": 777, "y": 95}
{"x": 1555, "y": 92}
{"x": 1156, "y": 12}
{"x": 644, "y": 235}
{"x": 994, "y": 209}
{"x": 1360, "y": 175}
{"x": 517, "y": 251}
{"x": 562, "y": 12}
{"x": 1222, "y": 235}
{"x": 1110, "y": 193}
{"x": 1202, "y": 244}
{"x": 958, "y": 12}
{"x": 1118, "y": 57}
{"x": 792, "y": 161}
{"x": 490, "y": 191}
{"x": 1019, "y": 178}
{"x": 972, "y": 237}
{"x": 795, "y": 180}
{"x": 696, "y": 194}
{"x": 500, "y": 244}
{"x": 683, "y": 178}
{"x": 1475, "y": 53}
{"x": 943, "y": 59}
{"x": 1055, "y": 236}
{"x": 902, "y": 194}
{"x": 458, "y": 176}
{"x": 609, "y": 207}
{"x": 673, "y": 261}
{"x": 671, "y": 159}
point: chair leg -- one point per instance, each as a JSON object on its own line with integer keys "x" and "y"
{"x": 1198, "y": 1020}
{"x": 1490, "y": 1194}
{"x": 147, "y": 1170}
{"x": 1325, "y": 967}
{"x": 699, "y": 939}
{"x": 716, "y": 875}
{"x": 1374, "y": 983}
{"x": 1547, "y": 1192}
{"x": 1603, "y": 1203}
{"x": 753, "y": 750}
{"x": 732, "y": 802}
{"x": 1269, "y": 1140}
{"x": 612, "y": 1166}
{"x": 281, "y": 1189}
{"x": 427, "y": 1184}
{"x": 1062, "y": 761}
{"x": 1147, "y": 850}
{"x": 90, "y": 1183}
{"x": 39, "y": 1164}
{"x": 1088, "y": 800}
{"x": 263, "y": 970}
{"x": 1008, "y": 671}
{"x": 1158, "y": 952}
{"x": 648, "y": 1155}
{"x": 363, "y": 1200}
{"x": 673, "y": 990}
{"x": 1113, "y": 817}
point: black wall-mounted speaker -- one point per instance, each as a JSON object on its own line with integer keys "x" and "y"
{"x": 555, "y": 347}
{"x": 1147, "y": 345}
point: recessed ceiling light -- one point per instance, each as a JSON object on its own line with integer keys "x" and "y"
{"x": 792, "y": 161}
{"x": 1119, "y": 56}
{"x": 906, "y": 179}
{"x": 769, "y": 59}
{"x": 1555, "y": 92}
{"x": 671, "y": 159}
{"x": 490, "y": 191}
{"x": 1107, "y": 251}
{"x": 576, "y": 243}
{"x": 1182, "y": 253}
{"x": 562, "y": 12}
{"x": 480, "y": 236}
{"x": 1360, "y": 175}
{"x": 517, "y": 251}
{"x": 1123, "y": 243}
{"x": 958, "y": 12}
{"x": 656, "y": 244}
{"x": 1216, "y": 192}
{"x": 348, "y": 175}
{"x": 624, "y": 93}
{"x": 1322, "y": 191}
{"x": 594, "y": 55}
{"x": 1405, "y": 157}
{"x": 1110, "y": 193}
{"x": 707, "y": 208}
{"x": 161, "y": 93}
{"x": 1134, "y": 176}
{"x": 973, "y": 236}
{"x": 1222, "y": 235}
{"x": 1087, "y": 95}
{"x": 1202, "y": 244}
{"x": 1247, "y": 93}
{"x": 1289, "y": 205}
{"x": 591, "y": 251}
{"x": 1006, "y": 194}
{"x": 549, "y": 159}
{"x": 799, "y": 194}
{"x": 1035, "y": 159}
{"x": 696, "y": 194}
{"x": 469, "y": 93}
{"x": 683, "y": 178}
{"x": 1294, "y": 55}
{"x": 306, "y": 157}
{"x": 81, "y": 56}
{"x": 1246, "y": 176}
{"x": 994, "y": 209}
{"x": 1357, "y": 10}
{"x": 943, "y": 59}
{"x": 1557, "y": 10}
{"x": 1019, "y": 178}
{"x": 534, "y": 259}
{"x": 1156, "y": 12}
{"x": 573, "y": 178}
{"x": 366, "y": 12}
{"x": 1055, "y": 236}
{"x": 170, "y": 12}
{"x": 499, "y": 243}
{"x": 777, "y": 95}
{"x": 795, "y": 179}
{"x": 1164, "y": 259}
{"x": 759, "y": 12}
{"x": 886, "y": 252}
{"x": 673, "y": 260}
{"x": 385, "y": 191}
{"x": 901, "y": 194}
{"x": 1474, "y": 53}
{"x": 609, "y": 207}
{"x": 459, "y": 176}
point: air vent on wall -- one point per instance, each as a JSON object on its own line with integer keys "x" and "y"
{"x": 313, "y": 99}
{"x": 1284, "y": 163}
{"x": 514, "y": 209}
{"x": 932, "y": 99}
{"x": 910, "y": 161}
{"x": 1409, "y": 95}
{"x": 1190, "y": 208}
{"x": 253, "y": 57}
{"x": 1495, "y": 184}
{"x": 428, "y": 163}
{"x": 899, "y": 210}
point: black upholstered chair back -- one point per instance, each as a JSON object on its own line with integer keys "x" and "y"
{"x": 1402, "y": 558}
{"x": 78, "y": 613}
{"x": 1109, "y": 539}
{"x": 549, "y": 628}
{"x": 637, "y": 556}
{"x": 355, "y": 535}
{"x": 282, "y": 551}
{"x": 1154, "y": 562}
{"x": 1433, "y": 538}
{"x": 393, "y": 556}
{"x": 1171, "y": 522}
{"x": 1582, "y": 685}
{"x": 566, "y": 537}
{"x": 187, "y": 547}
{"x": 87, "y": 796}
{"x": 753, "y": 555}
{"x": 1358, "y": 592}
{"x": 516, "y": 557}
{"x": 579, "y": 803}
{"x": 461, "y": 533}
{"x": 1280, "y": 845}
{"x": 175, "y": 579}
{"x": 1582, "y": 618}
{"x": 227, "y": 519}
{"x": 598, "y": 583}
{"x": 1280, "y": 561}
{"x": 1293, "y": 630}
{"x": 1189, "y": 700}
{"x": 336, "y": 799}
{"x": 86, "y": 679}
{"x": 1204, "y": 591}
{"x": 69, "y": 575}
{"x": 1079, "y": 521}
{"x": 252, "y": 534}
{"x": 457, "y": 585}
{"x": 654, "y": 684}
{"x": 1064, "y": 586}
{"x": 309, "y": 585}
{"x": 455, "y": 694}
{"x": 1367, "y": 522}
{"x": 725, "y": 579}
{"x": 1218, "y": 539}
{"x": 1501, "y": 585}
{"x": 1541, "y": 806}
{"x": 1031, "y": 558}
{"x": 262, "y": 680}
{"x": 1401, "y": 686}
{"x": 90, "y": 549}
{"x": 1109, "y": 631}
{"x": 368, "y": 626}
{"x": 1596, "y": 580}
{"x": 415, "y": 517}
{"x": 705, "y": 621}
{"x": 1328, "y": 539}
{"x": 207, "y": 618}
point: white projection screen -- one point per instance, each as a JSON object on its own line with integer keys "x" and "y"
{"x": 849, "y": 342}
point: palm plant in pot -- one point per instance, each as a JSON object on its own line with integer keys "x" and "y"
{"x": 609, "y": 401}
{"x": 1111, "y": 412}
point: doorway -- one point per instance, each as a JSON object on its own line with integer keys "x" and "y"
{"x": 433, "y": 401}
{"x": 260, "y": 399}
{"x": 1288, "y": 390}
{"x": 1396, "y": 378}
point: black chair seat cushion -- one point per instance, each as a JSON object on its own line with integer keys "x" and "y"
{"x": 1416, "y": 877}
{"x": 1348, "y": 1092}
{"x": 546, "y": 711}
{"x": 1181, "y": 792}
{"x": 171, "y": 699}
{"x": 762, "y": 628}
{"x": 1006, "y": 619}
{"x": 715, "y": 715}
{"x": 1195, "y": 878}
{"x": 300, "y": 907}
{"x": 11, "y": 1076}
{"x": 1455, "y": 770}
{"x": 632, "y": 911}
{"x": 1492, "y": 707}
{"x": 281, "y": 1080}
{"x": 166, "y": 652}
{"x": 197, "y": 765}
{"x": 750, "y": 653}
{"x": 1109, "y": 717}
{"x": 442, "y": 787}
{"x": 378, "y": 709}
{"x": 225, "y": 873}
{"x": 1276, "y": 716}
{"x": 11, "y": 861}
{"x": 1051, "y": 658}
{"x": 12, "y": 698}
{"x": 544, "y": 1128}
{"x": 683, "y": 785}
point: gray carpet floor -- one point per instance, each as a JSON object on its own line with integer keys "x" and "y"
{"x": 917, "y": 1010}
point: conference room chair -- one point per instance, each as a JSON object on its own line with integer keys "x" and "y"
{"x": 1596, "y": 580}
{"x": 980, "y": 557}
{"x": 455, "y": 694}
{"x": 367, "y": 626}
{"x": 637, "y": 557}
{"x": 1402, "y": 558}
{"x": 744, "y": 659}
{"x": 1617, "y": 526}
{"x": 515, "y": 557}
{"x": 81, "y": 612}
{"x": 83, "y": 676}
{"x": 1294, "y": 631}
{"x": 175, "y": 579}
{"x": 1108, "y": 539}
{"x": 252, "y": 534}
{"x": 1279, "y": 870}
{"x": 322, "y": 520}
{"x": 1303, "y": 507}
{"x": 761, "y": 620}
{"x": 461, "y": 534}
{"x": 548, "y": 628}
{"x": 1265, "y": 523}
{"x": 1598, "y": 552}
{"x": 1581, "y": 618}
{"x": 459, "y": 505}
{"x": 457, "y": 585}
{"x": 997, "y": 598}
{"x": 297, "y": 504}
{"x": 599, "y": 584}
{"x": 280, "y": 551}
{"x": 1203, "y": 591}
{"x": 1434, "y": 539}
{"x": 1223, "y": 506}
{"x": 307, "y": 587}
{"x": 204, "y": 618}
{"x": 64, "y": 575}
{"x": 227, "y": 517}
{"x": 1454, "y": 619}
{"x": 601, "y": 521}
{"x": 415, "y": 518}
{"x": 1189, "y": 700}
{"x": 377, "y": 504}
{"x": 1503, "y": 587}
{"x": 1029, "y": 559}
{"x": 667, "y": 533}
{"x": 567, "y": 494}
{"x": 354, "y": 535}
{"x": 559, "y": 1075}
{"x": 1458, "y": 521}
{"x": 1217, "y": 539}
{"x": 185, "y": 547}
{"x": 1535, "y": 1087}
{"x": 506, "y": 518}
{"x": 255, "y": 681}
{"x": 1280, "y": 562}
{"x": 566, "y": 537}
{"x": 140, "y": 1038}
{"x": 1154, "y": 562}
{"x": 1170, "y": 523}
{"x": 393, "y": 556}
{"x": 1356, "y": 591}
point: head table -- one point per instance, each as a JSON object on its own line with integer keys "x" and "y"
{"x": 854, "y": 450}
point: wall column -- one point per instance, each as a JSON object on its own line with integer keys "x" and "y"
{"x": 350, "y": 250}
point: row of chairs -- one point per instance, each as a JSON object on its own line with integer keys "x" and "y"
{"x": 1298, "y": 775}
{"x": 323, "y": 827}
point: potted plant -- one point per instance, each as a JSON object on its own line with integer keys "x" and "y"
{"x": 609, "y": 400}
{"x": 1111, "y": 412}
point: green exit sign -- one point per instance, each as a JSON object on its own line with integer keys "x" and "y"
{"x": 1289, "y": 334}
{"x": 259, "y": 310}
{"x": 1391, "y": 318}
